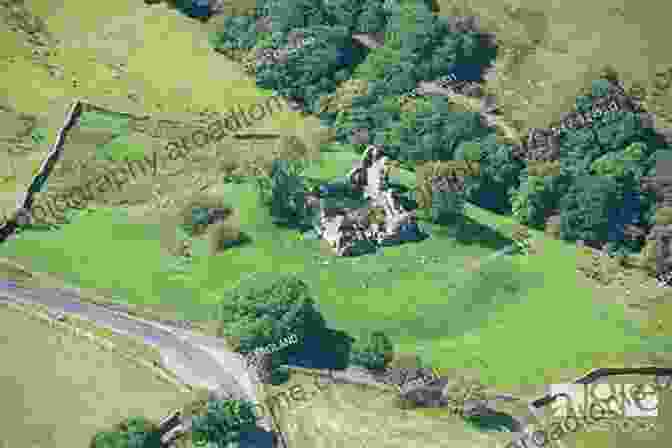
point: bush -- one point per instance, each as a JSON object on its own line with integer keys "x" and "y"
{"x": 134, "y": 432}
{"x": 223, "y": 422}
{"x": 224, "y": 235}
{"x": 200, "y": 211}
{"x": 368, "y": 359}
{"x": 375, "y": 353}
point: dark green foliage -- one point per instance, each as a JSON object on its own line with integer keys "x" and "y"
{"x": 418, "y": 46}
{"x": 315, "y": 69}
{"x": 287, "y": 15}
{"x": 134, "y": 432}
{"x": 372, "y": 18}
{"x": 499, "y": 175}
{"x": 238, "y": 32}
{"x": 357, "y": 16}
{"x": 223, "y": 422}
{"x": 534, "y": 201}
{"x": 431, "y": 132}
{"x": 284, "y": 191}
{"x": 615, "y": 147}
{"x": 266, "y": 310}
{"x": 588, "y": 209}
{"x": 368, "y": 359}
{"x": 447, "y": 204}
{"x": 374, "y": 352}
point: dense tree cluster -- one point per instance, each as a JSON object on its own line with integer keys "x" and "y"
{"x": 598, "y": 191}
{"x": 605, "y": 145}
{"x": 312, "y": 71}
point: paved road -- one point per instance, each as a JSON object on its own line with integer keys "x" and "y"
{"x": 196, "y": 360}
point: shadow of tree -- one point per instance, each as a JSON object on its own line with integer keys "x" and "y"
{"x": 257, "y": 438}
{"x": 468, "y": 231}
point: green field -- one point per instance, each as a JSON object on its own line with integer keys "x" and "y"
{"x": 53, "y": 383}
{"x": 517, "y": 322}
{"x": 427, "y": 295}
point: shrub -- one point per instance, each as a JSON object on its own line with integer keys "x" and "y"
{"x": 224, "y": 235}
{"x": 223, "y": 422}
{"x": 133, "y": 432}
{"x": 367, "y": 359}
{"x": 375, "y": 353}
{"x": 199, "y": 212}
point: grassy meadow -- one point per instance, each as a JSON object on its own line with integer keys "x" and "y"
{"x": 516, "y": 322}
{"x": 64, "y": 408}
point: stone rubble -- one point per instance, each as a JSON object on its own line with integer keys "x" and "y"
{"x": 352, "y": 232}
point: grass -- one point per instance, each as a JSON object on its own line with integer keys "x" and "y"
{"x": 423, "y": 295}
{"x": 515, "y": 322}
{"x": 547, "y": 54}
{"x": 86, "y": 385}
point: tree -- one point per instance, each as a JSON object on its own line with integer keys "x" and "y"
{"x": 534, "y": 201}
{"x": 285, "y": 193}
{"x": 587, "y": 211}
{"x": 372, "y": 18}
{"x": 447, "y": 200}
{"x": 498, "y": 177}
{"x": 432, "y": 131}
{"x": 223, "y": 422}
{"x": 237, "y": 32}
{"x": 268, "y": 309}
{"x": 312, "y": 71}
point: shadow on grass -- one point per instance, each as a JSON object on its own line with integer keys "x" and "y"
{"x": 468, "y": 231}
{"x": 494, "y": 421}
{"x": 329, "y": 350}
{"x": 243, "y": 240}
{"x": 39, "y": 228}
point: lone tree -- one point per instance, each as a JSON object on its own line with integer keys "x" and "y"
{"x": 223, "y": 422}
{"x": 267, "y": 310}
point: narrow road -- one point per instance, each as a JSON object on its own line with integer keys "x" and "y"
{"x": 197, "y": 360}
